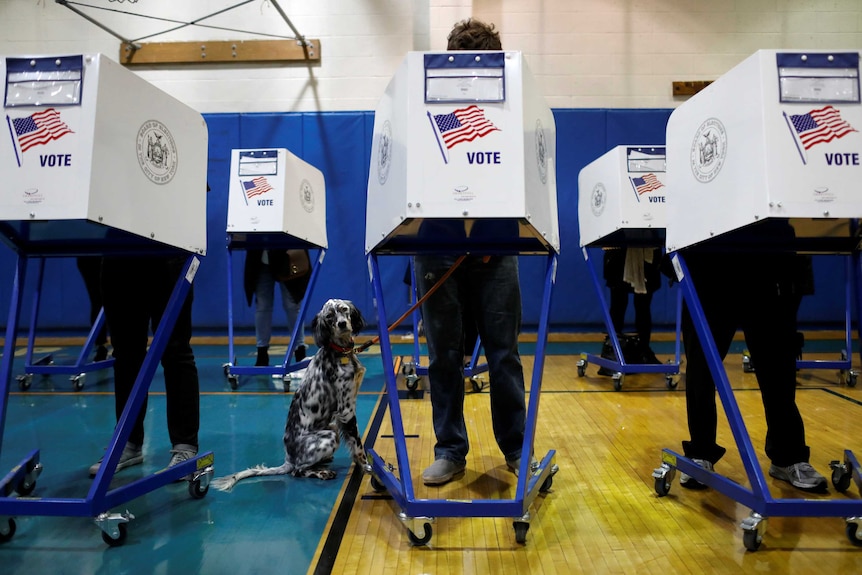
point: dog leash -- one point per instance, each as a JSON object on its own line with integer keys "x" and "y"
{"x": 398, "y": 321}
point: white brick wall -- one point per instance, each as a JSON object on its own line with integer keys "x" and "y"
{"x": 584, "y": 53}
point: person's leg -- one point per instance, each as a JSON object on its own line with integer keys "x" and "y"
{"x": 291, "y": 310}
{"x": 495, "y": 296}
{"x": 771, "y": 338}
{"x": 619, "y": 302}
{"x": 126, "y": 289}
{"x": 263, "y": 303}
{"x": 182, "y": 392}
{"x": 714, "y": 290}
{"x": 90, "y": 268}
{"x": 643, "y": 327}
{"x": 444, "y": 335}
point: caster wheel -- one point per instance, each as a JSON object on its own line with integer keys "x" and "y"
{"x": 752, "y": 539}
{"x": 376, "y": 485}
{"x": 120, "y": 539}
{"x": 547, "y": 484}
{"x": 662, "y": 486}
{"x": 582, "y": 369}
{"x": 477, "y": 385}
{"x": 618, "y": 381}
{"x": 851, "y": 380}
{"x": 226, "y": 369}
{"x": 850, "y": 530}
{"x": 841, "y": 479}
{"x": 521, "y": 528}
{"x": 412, "y": 383}
{"x": 419, "y": 541}
{"x": 24, "y": 489}
{"x": 233, "y": 381}
{"x": 196, "y": 490}
{"x": 671, "y": 382}
{"x": 7, "y": 532}
{"x": 24, "y": 382}
{"x": 78, "y": 382}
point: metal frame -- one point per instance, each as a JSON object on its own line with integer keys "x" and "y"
{"x": 418, "y": 514}
{"x": 412, "y": 371}
{"x": 99, "y": 499}
{"x": 620, "y": 367}
{"x": 45, "y": 364}
{"x": 757, "y": 497}
{"x": 284, "y": 370}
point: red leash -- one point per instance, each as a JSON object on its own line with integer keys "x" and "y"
{"x": 398, "y": 321}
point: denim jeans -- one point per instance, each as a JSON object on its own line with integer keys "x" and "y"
{"x": 492, "y": 292}
{"x": 263, "y": 296}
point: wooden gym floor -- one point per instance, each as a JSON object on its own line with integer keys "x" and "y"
{"x": 601, "y": 515}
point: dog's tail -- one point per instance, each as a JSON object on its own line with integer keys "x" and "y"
{"x": 227, "y": 482}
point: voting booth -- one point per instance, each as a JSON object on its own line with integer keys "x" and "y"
{"x": 97, "y": 161}
{"x": 775, "y": 137}
{"x": 622, "y": 204}
{"x": 276, "y": 201}
{"x": 462, "y": 162}
{"x": 463, "y": 156}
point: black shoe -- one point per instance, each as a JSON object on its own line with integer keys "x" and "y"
{"x": 299, "y": 353}
{"x": 648, "y": 357}
{"x": 262, "y": 357}
{"x": 101, "y": 353}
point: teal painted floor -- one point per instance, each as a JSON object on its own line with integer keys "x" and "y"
{"x": 265, "y": 525}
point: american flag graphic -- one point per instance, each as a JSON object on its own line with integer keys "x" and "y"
{"x": 40, "y": 128}
{"x": 648, "y": 183}
{"x": 820, "y": 126}
{"x": 256, "y": 187}
{"x": 464, "y": 125}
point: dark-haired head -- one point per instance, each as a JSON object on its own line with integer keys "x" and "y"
{"x": 473, "y": 34}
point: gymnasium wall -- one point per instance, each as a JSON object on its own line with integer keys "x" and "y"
{"x": 338, "y": 143}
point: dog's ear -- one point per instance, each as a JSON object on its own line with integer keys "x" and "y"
{"x": 356, "y": 319}
{"x": 320, "y": 331}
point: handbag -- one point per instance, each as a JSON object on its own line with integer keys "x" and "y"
{"x": 291, "y": 265}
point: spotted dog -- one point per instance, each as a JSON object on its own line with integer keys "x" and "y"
{"x": 324, "y": 406}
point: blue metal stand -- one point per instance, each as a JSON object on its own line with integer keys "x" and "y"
{"x": 418, "y": 514}
{"x": 414, "y": 370}
{"x": 283, "y": 370}
{"x": 757, "y": 498}
{"x": 45, "y": 365}
{"x": 619, "y": 366}
{"x": 99, "y": 499}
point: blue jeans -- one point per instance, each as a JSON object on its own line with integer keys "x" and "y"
{"x": 263, "y": 296}
{"x": 492, "y": 292}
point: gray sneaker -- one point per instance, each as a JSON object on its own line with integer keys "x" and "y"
{"x": 132, "y": 455}
{"x": 442, "y": 471}
{"x": 690, "y": 482}
{"x": 182, "y": 452}
{"x": 514, "y": 465}
{"x": 800, "y": 475}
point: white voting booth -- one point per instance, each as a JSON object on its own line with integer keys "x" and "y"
{"x": 272, "y": 191}
{"x": 276, "y": 200}
{"x": 622, "y": 193}
{"x": 466, "y": 141}
{"x": 462, "y": 162}
{"x": 622, "y": 202}
{"x": 775, "y": 137}
{"x": 97, "y": 161}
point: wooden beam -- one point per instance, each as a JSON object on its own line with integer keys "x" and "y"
{"x": 219, "y": 52}
{"x": 689, "y": 88}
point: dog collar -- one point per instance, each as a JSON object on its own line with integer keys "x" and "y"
{"x": 345, "y": 352}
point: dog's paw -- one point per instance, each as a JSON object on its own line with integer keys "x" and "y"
{"x": 325, "y": 474}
